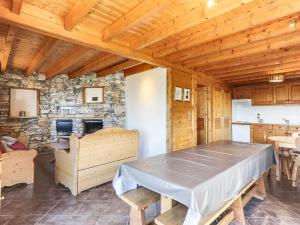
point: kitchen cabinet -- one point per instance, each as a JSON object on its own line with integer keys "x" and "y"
{"x": 262, "y": 95}
{"x": 286, "y": 93}
{"x": 281, "y": 94}
{"x": 294, "y": 93}
{"x": 260, "y": 133}
{"x": 242, "y": 93}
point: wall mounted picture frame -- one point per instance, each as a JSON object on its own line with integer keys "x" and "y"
{"x": 23, "y": 102}
{"x": 93, "y": 95}
{"x": 178, "y": 94}
{"x": 186, "y": 94}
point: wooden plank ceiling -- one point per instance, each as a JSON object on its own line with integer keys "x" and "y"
{"x": 235, "y": 41}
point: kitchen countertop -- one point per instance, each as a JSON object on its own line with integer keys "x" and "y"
{"x": 250, "y": 123}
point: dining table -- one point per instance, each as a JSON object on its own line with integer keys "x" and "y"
{"x": 281, "y": 143}
{"x": 203, "y": 178}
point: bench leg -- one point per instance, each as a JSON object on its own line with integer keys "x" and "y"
{"x": 238, "y": 211}
{"x": 137, "y": 217}
{"x": 166, "y": 204}
{"x": 294, "y": 173}
{"x": 260, "y": 188}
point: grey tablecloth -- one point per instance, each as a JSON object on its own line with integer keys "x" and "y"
{"x": 203, "y": 177}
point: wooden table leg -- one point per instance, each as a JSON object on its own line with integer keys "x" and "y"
{"x": 278, "y": 165}
{"x": 166, "y": 204}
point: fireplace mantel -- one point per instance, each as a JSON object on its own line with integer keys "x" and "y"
{"x": 55, "y": 116}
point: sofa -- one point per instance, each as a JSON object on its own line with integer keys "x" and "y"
{"x": 93, "y": 159}
{"x": 17, "y": 165}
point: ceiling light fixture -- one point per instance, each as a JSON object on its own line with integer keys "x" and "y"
{"x": 276, "y": 78}
{"x": 293, "y": 23}
{"x": 211, "y": 3}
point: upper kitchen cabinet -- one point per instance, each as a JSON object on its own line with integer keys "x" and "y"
{"x": 294, "y": 93}
{"x": 262, "y": 95}
{"x": 281, "y": 94}
{"x": 242, "y": 93}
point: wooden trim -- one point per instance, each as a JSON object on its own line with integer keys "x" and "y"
{"x": 78, "y": 11}
{"x": 96, "y": 63}
{"x": 119, "y": 67}
{"x": 138, "y": 69}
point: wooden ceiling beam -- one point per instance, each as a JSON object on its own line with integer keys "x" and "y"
{"x": 255, "y": 13}
{"x": 138, "y": 69}
{"x": 11, "y": 33}
{"x": 263, "y": 32}
{"x": 144, "y": 9}
{"x": 97, "y": 63}
{"x": 119, "y": 67}
{"x": 254, "y": 58}
{"x": 77, "y": 12}
{"x": 67, "y": 60}
{"x": 261, "y": 78}
{"x": 190, "y": 19}
{"x": 256, "y": 65}
{"x": 283, "y": 41}
{"x": 45, "y": 50}
{"x": 91, "y": 40}
{"x": 260, "y": 69}
{"x": 16, "y": 6}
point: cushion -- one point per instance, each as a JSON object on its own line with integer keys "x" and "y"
{"x": 5, "y": 147}
{"x": 18, "y": 146}
{"x": 9, "y": 140}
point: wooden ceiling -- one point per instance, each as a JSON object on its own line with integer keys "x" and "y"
{"x": 236, "y": 41}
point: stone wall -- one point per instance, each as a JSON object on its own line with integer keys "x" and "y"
{"x": 59, "y": 93}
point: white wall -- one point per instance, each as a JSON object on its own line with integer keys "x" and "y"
{"x": 270, "y": 114}
{"x": 146, "y": 109}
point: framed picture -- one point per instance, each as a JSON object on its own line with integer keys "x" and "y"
{"x": 186, "y": 94}
{"x": 93, "y": 94}
{"x": 23, "y": 103}
{"x": 178, "y": 94}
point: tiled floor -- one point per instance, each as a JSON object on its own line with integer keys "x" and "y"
{"x": 49, "y": 204}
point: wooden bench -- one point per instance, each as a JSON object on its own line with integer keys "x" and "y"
{"x": 232, "y": 210}
{"x": 139, "y": 200}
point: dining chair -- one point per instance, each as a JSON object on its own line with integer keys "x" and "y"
{"x": 296, "y": 161}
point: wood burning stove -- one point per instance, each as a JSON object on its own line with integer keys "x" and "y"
{"x": 64, "y": 128}
{"x": 91, "y": 126}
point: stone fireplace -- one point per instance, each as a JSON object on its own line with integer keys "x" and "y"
{"x": 61, "y": 99}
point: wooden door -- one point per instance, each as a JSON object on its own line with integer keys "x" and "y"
{"x": 202, "y": 115}
{"x": 221, "y": 114}
{"x": 217, "y": 112}
{"x": 281, "y": 94}
{"x": 262, "y": 95}
{"x": 227, "y": 115}
{"x": 294, "y": 93}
